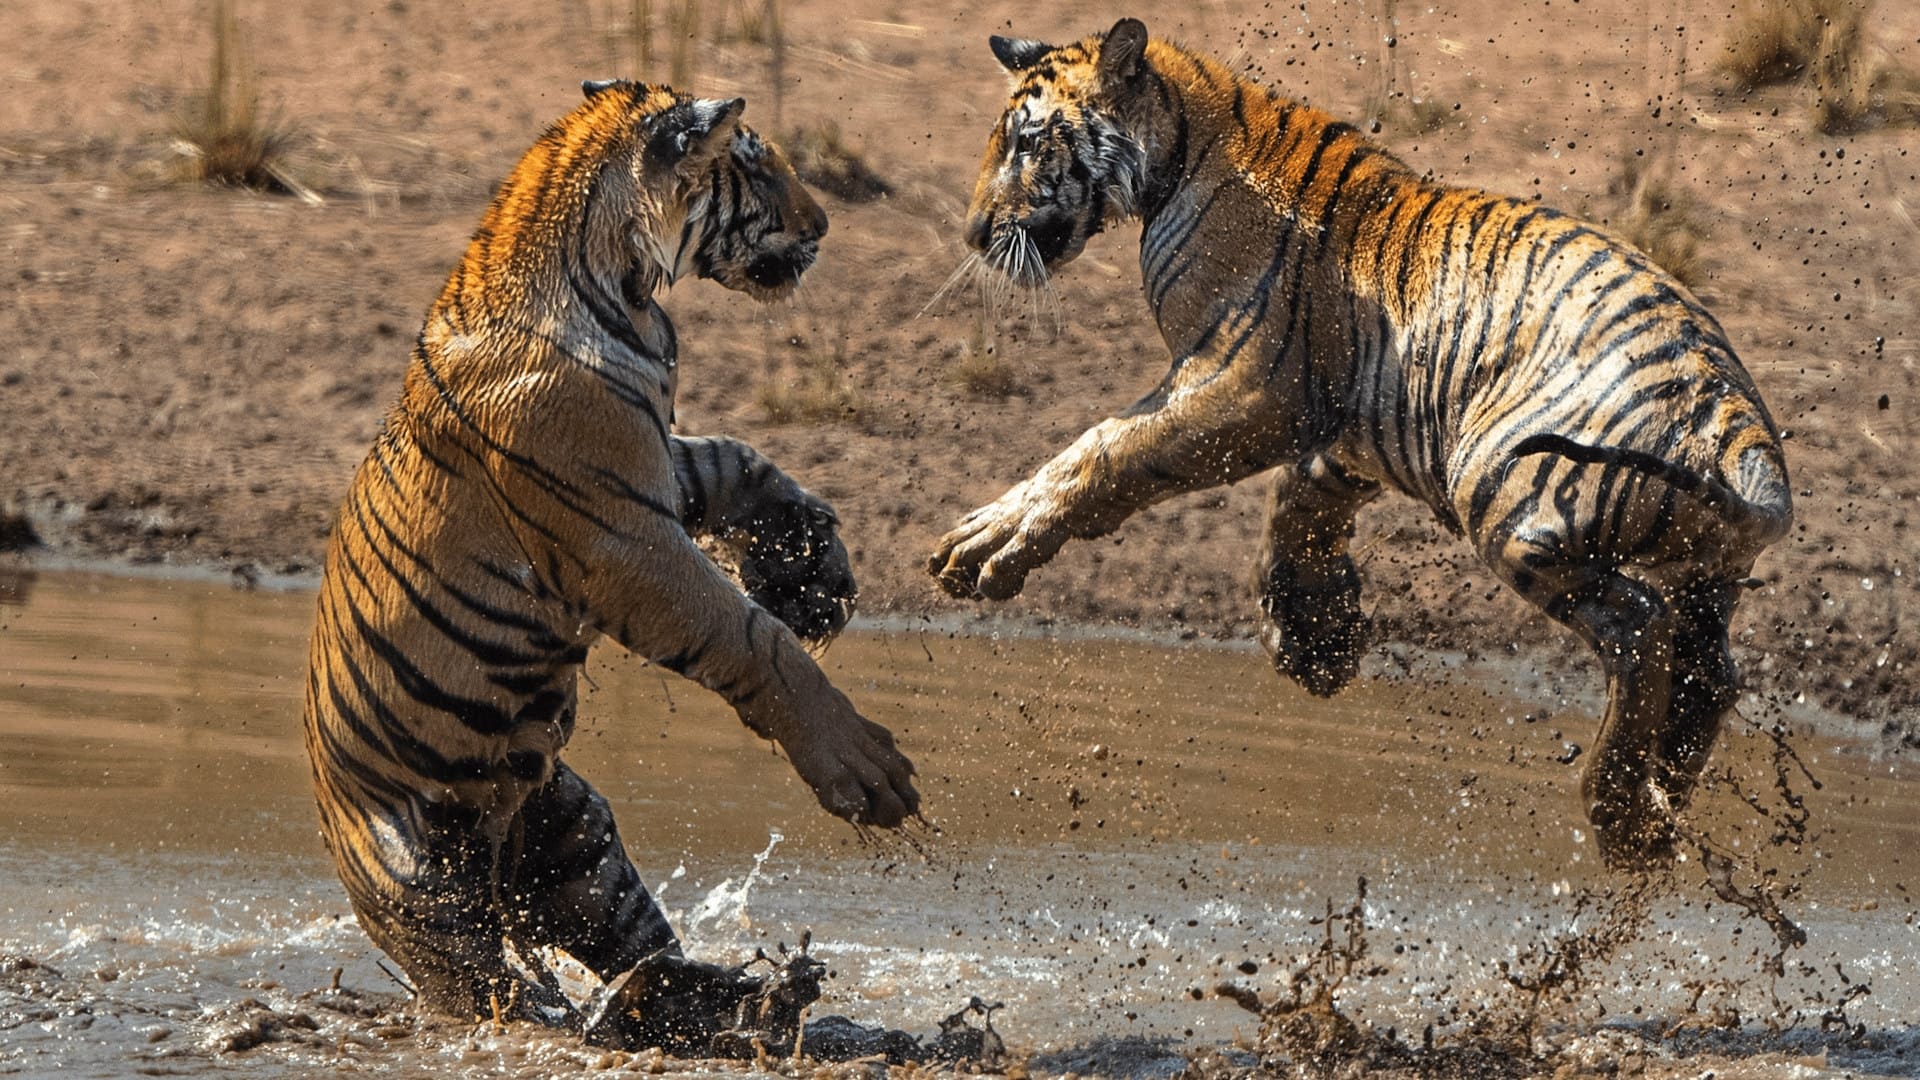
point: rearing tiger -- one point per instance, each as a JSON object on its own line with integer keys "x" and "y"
{"x": 1550, "y": 393}
{"x": 525, "y": 498}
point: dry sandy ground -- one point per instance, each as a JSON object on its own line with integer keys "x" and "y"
{"x": 189, "y": 376}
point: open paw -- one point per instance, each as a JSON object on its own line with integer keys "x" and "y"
{"x": 853, "y": 767}
{"x": 988, "y": 555}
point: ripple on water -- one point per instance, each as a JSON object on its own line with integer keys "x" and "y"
{"x": 1124, "y": 827}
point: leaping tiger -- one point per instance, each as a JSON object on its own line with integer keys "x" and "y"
{"x": 525, "y": 498}
{"x": 1548, "y": 391}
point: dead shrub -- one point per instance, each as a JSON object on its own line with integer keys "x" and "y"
{"x": 1824, "y": 44}
{"x": 982, "y": 372}
{"x": 1775, "y": 41}
{"x": 813, "y": 392}
{"x": 1661, "y": 218}
{"x": 224, "y": 136}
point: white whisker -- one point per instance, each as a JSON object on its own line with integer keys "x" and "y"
{"x": 801, "y": 298}
{"x": 971, "y": 266}
{"x": 1008, "y": 272}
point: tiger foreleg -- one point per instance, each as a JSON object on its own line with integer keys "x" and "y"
{"x": 634, "y": 574}
{"x": 1309, "y": 590}
{"x": 675, "y": 608}
{"x": 1112, "y": 470}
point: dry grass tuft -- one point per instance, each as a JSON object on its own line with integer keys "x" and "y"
{"x": 813, "y": 393}
{"x": 224, "y": 136}
{"x": 1854, "y": 84}
{"x": 1661, "y": 218}
{"x": 1825, "y": 44}
{"x": 828, "y": 162}
{"x": 1841, "y": 74}
{"x": 1775, "y": 41}
{"x": 981, "y": 370}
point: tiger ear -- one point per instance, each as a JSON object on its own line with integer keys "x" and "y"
{"x": 1123, "y": 52}
{"x": 696, "y": 130}
{"x": 1017, "y": 54}
{"x": 593, "y": 88}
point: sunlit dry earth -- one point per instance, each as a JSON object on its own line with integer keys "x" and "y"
{"x": 192, "y": 374}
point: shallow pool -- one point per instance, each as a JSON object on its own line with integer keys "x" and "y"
{"x": 1121, "y": 826}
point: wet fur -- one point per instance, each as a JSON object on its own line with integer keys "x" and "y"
{"x": 1551, "y": 394}
{"x": 526, "y": 498}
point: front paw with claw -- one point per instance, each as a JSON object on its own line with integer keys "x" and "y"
{"x": 1314, "y": 631}
{"x": 989, "y": 554}
{"x": 850, "y": 762}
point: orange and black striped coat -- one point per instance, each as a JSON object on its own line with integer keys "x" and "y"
{"x": 1542, "y": 386}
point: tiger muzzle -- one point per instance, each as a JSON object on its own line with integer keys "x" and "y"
{"x": 1053, "y": 235}
{"x": 979, "y": 232}
{"x": 784, "y": 268}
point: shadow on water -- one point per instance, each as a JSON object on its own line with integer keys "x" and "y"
{"x": 1151, "y": 855}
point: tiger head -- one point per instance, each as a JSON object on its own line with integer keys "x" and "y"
{"x": 749, "y": 223}
{"x": 759, "y": 228}
{"x": 1060, "y": 165}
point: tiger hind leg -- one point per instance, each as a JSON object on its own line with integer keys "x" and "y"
{"x": 1311, "y": 624}
{"x": 566, "y": 882}
{"x": 1705, "y": 685}
{"x": 1634, "y": 631}
{"x": 427, "y": 901}
{"x": 1630, "y": 627}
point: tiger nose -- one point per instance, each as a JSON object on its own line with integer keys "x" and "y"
{"x": 979, "y": 232}
{"x": 813, "y": 224}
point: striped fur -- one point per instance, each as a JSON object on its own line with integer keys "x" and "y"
{"x": 525, "y": 498}
{"x": 1550, "y": 393}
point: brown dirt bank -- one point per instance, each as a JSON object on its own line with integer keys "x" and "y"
{"x": 190, "y": 375}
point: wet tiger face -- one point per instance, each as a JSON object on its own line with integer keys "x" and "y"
{"x": 753, "y": 227}
{"x": 749, "y": 222}
{"x": 1058, "y": 169}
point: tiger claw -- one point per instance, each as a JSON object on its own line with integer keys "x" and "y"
{"x": 952, "y": 582}
{"x": 988, "y": 555}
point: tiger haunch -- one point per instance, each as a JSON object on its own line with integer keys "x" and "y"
{"x": 527, "y": 497}
{"x": 1550, "y": 393}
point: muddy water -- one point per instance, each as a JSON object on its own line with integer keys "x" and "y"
{"x": 1120, "y": 825}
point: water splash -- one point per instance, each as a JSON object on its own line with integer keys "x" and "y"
{"x": 726, "y": 904}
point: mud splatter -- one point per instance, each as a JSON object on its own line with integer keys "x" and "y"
{"x": 1311, "y": 1029}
